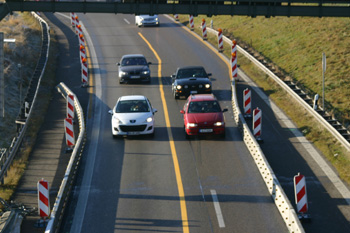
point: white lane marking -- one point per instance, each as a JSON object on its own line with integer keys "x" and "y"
{"x": 217, "y": 209}
{"x": 126, "y": 21}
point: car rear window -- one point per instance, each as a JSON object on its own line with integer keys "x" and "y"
{"x": 204, "y": 107}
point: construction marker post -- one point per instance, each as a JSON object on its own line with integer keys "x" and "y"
{"x": 84, "y": 73}
{"x": 301, "y": 197}
{"x": 247, "y": 103}
{"x": 82, "y": 53}
{"x": 81, "y": 40}
{"x": 70, "y": 139}
{"x": 191, "y": 23}
{"x": 72, "y": 19}
{"x": 204, "y": 30}
{"x": 70, "y": 106}
{"x": 257, "y": 122}
{"x": 220, "y": 41}
{"x": 176, "y": 16}
{"x": 76, "y": 24}
{"x": 43, "y": 202}
{"x": 234, "y": 65}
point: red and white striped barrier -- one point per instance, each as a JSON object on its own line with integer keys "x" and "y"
{"x": 72, "y": 19}
{"x": 234, "y": 66}
{"x": 80, "y": 30}
{"x": 300, "y": 193}
{"x": 70, "y": 140}
{"x": 204, "y": 30}
{"x": 191, "y": 23}
{"x": 43, "y": 198}
{"x": 84, "y": 73}
{"x": 247, "y": 103}
{"x": 76, "y": 24}
{"x": 220, "y": 40}
{"x": 81, "y": 39}
{"x": 176, "y": 16}
{"x": 82, "y": 53}
{"x": 257, "y": 121}
{"x": 70, "y": 106}
{"x": 234, "y": 47}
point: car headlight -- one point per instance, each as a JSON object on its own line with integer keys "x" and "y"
{"x": 122, "y": 73}
{"x": 178, "y": 87}
{"x": 219, "y": 123}
{"x": 149, "y": 119}
{"x": 145, "y": 72}
{"x": 191, "y": 125}
{"x": 156, "y": 19}
{"x": 116, "y": 120}
{"x": 207, "y": 86}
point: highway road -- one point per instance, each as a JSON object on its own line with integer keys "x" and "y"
{"x": 165, "y": 183}
{"x": 168, "y": 183}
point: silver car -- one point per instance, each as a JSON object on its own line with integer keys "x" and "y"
{"x": 146, "y": 20}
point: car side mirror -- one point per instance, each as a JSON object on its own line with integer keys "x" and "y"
{"x": 110, "y": 112}
{"x": 182, "y": 111}
{"x": 149, "y": 63}
{"x": 155, "y": 110}
{"x": 210, "y": 74}
{"x": 225, "y": 110}
{"x": 118, "y": 64}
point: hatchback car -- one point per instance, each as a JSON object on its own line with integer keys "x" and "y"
{"x": 190, "y": 80}
{"x": 146, "y": 20}
{"x": 134, "y": 67}
{"x": 202, "y": 115}
{"x": 132, "y": 115}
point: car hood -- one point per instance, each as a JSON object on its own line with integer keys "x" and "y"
{"x": 148, "y": 16}
{"x": 184, "y": 81}
{"x": 138, "y": 117}
{"x": 210, "y": 117}
{"x": 132, "y": 68}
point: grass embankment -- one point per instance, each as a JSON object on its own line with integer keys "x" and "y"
{"x": 26, "y": 51}
{"x": 296, "y": 45}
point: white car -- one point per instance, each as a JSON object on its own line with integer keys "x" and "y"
{"x": 146, "y": 20}
{"x": 132, "y": 115}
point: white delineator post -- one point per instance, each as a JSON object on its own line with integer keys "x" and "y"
{"x": 204, "y": 30}
{"x": 247, "y": 103}
{"x": 176, "y": 16}
{"x": 43, "y": 199}
{"x": 70, "y": 140}
{"x": 220, "y": 41}
{"x": 257, "y": 121}
{"x": 191, "y": 23}
{"x": 300, "y": 193}
{"x": 70, "y": 106}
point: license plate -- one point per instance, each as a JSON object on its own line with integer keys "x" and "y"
{"x": 134, "y": 77}
{"x": 133, "y": 133}
{"x": 193, "y": 92}
{"x": 206, "y": 130}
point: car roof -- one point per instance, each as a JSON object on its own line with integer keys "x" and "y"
{"x": 203, "y": 97}
{"x": 190, "y": 67}
{"x": 132, "y": 97}
{"x": 132, "y": 55}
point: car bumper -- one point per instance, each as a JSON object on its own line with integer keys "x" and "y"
{"x": 186, "y": 93}
{"x": 129, "y": 130}
{"x": 135, "y": 78}
{"x": 205, "y": 131}
{"x": 149, "y": 23}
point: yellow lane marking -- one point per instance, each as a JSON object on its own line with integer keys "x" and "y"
{"x": 171, "y": 142}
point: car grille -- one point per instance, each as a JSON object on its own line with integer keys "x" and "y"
{"x": 134, "y": 72}
{"x": 133, "y": 128}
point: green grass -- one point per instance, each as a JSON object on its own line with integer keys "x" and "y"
{"x": 296, "y": 45}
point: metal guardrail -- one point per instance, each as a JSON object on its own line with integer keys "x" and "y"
{"x": 66, "y": 185}
{"x": 300, "y": 100}
{"x": 33, "y": 88}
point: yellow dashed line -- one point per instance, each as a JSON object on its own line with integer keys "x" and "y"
{"x": 171, "y": 142}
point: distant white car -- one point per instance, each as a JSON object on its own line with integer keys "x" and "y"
{"x": 132, "y": 115}
{"x": 146, "y": 20}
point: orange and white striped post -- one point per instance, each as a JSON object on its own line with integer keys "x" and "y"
{"x": 70, "y": 140}
{"x": 220, "y": 41}
{"x": 257, "y": 121}
{"x": 204, "y": 30}
{"x": 72, "y": 19}
{"x": 84, "y": 73}
{"x": 43, "y": 199}
{"x": 70, "y": 106}
{"x": 301, "y": 195}
{"x": 191, "y": 23}
{"x": 247, "y": 103}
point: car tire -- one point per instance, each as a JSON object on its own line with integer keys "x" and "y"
{"x": 120, "y": 81}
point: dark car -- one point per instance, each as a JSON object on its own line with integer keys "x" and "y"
{"x": 203, "y": 115}
{"x": 134, "y": 67}
{"x": 190, "y": 80}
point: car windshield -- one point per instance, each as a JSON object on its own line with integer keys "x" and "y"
{"x": 204, "y": 107}
{"x": 193, "y": 72}
{"x": 134, "y": 61}
{"x": 127, "y": 106}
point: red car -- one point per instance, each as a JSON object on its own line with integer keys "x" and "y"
{"x": 203, "y": 115}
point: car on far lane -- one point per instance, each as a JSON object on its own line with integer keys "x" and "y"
{"x": 190, "y": 80}
{"x": 147, "y": 20}
{"x": 202, "y": 115}
{"x": 134, "y": 67}
{"x": 132, "y": 115}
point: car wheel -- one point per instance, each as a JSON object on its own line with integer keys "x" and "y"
{"x": 151, "y": 135}
{"x": 121, "y": 81}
